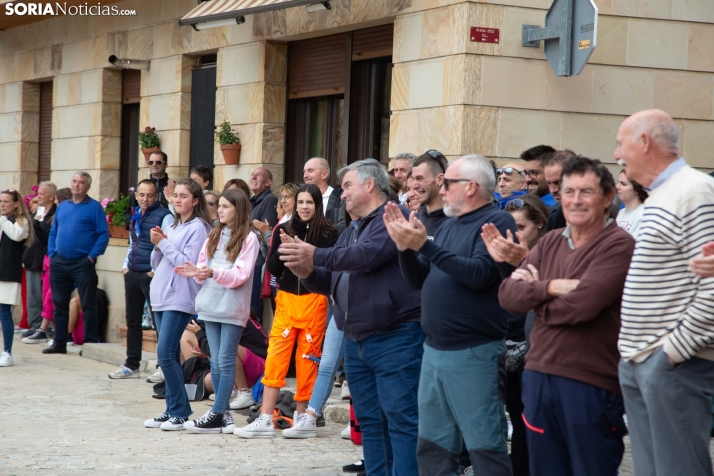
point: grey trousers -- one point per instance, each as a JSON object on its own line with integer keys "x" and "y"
{"x": 34, "y": 298}
{"x": 669, "y": 415}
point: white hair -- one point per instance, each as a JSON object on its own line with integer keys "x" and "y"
{"x": 369, "y": 168}
{"x": 665, "y": 133}
{"x": 84, "y": 174}
{"x": 51, "y": 188}
{"x": 476, "y": 167}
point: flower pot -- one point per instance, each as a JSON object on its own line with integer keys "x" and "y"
{"x": 147, "y": 153}
{"x": 231, "y": 153}
{"x": 116, "y": 231}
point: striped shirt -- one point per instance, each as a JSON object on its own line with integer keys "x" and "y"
{"x": 663, "y": 303}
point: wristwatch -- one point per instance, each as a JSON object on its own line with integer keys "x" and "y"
{"x": 211, "y": 275}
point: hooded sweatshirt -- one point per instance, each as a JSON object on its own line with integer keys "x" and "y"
{"x": 169, "y": 291}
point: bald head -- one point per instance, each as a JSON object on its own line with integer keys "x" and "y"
{"x": 647, "y": 142}
{"x": 317, "y": 172}
{"x": 507, "y": 183}
{"x": 260, "y": 180}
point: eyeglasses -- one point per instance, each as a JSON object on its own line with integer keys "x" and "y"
{"x": 285, "y": 197}
{"x": 533, "y": 173}
{"x": 448, "y": 181}
{"x": 514, "y": 204}
{"x": 507, "y": 171}
{"x": 437, "y": 156}
{"x": 156, "y": 162}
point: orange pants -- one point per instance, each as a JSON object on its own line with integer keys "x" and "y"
{"x": 299, "y": 321}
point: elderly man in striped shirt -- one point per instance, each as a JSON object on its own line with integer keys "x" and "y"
{"x": 667, "y": 335}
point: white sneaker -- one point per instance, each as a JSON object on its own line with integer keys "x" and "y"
{"x": 156, "y": 421}
{"x": 233, "y": 395}
{"x": 6, "y": 360}
{"x": 173, "y": 424}
{"x": 156, "y": 377}
{"x": 346, "y": 432}
{"x": 510, "y": 430}
{"x": 305, "y": 426}
{"x": 345, "y": 393}
{"x": 243, "y": 399}
{"x": 124, "y": 372}
{"x": 262, "y": 427}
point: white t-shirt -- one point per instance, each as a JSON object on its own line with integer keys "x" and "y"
{"x": 326, "y": 198}
{"x": 630, "y": 221}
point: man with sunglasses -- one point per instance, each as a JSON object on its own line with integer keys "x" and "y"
{"x": 465, "y": 326}
{"x": 428, "y": 175}
{"x": 511, "y": 183}
{"x": 158, "y": 162}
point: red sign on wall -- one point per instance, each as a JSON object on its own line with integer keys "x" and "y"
{"x": 485, "y": 35}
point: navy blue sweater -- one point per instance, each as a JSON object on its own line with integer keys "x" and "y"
{"x": 459, "y": 282}
{"x": 79, "y": 230}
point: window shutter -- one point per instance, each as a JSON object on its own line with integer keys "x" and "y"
{"x": 131, "y": 86}
{"x": 375, "y": 42}
{"x": 44, "y": 163}
{"x": 317, "y": 66}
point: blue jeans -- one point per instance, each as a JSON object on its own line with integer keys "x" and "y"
{"x": 223, "y": 341}
{"x": 383, "y": 372}
{"x": 171, "y": 325}
{"x": 8, "y": 328}
{"x": 332, "y": 352}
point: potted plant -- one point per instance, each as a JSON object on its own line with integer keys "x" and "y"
{"x": 230, "y": 143}
{"x": 114, "y": 210}
{"x": 149, "y": 142}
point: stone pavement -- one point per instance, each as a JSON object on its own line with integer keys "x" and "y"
{"x": 60, "y": 414}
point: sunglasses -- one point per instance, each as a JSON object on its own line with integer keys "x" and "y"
{"x": 156, "y": 162}
{"x": 507, "y": 171}
{"x": 448, "y": 181}
{"x": 515, "y": 204}
{"x": 437, "y": 156}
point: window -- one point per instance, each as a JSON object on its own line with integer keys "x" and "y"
{"x": 44, "y": 159}
{"x": 203, "y": 112}
{"x": 129, "y": 149}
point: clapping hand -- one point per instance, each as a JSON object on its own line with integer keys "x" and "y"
{"x": 405, "y": 234}
{"x": 157, "y": 234}
{"x": 504, "y": 249}
{"x": 704, "y": 265}
{"x": 190, "y": 270}
{"x": 285, "y": 238}
{"x": 261, "y": 226}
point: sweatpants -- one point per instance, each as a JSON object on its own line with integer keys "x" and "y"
{"x": 459, "y": 397}
{"x": 573, "y": 428}
{"x": 299, "y": 322}
{"x": 669, "y": 415}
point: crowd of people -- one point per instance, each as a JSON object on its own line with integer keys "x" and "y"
{"x": 462, "y": 299}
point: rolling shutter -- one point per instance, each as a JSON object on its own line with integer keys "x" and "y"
{"x": 131, "y": 86}
{"x": 317, "y": 66}
{"x": 44, "y": 162}
{"x": 373, "y": 42}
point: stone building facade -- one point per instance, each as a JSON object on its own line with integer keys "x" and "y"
{"x": 444, "y": 92}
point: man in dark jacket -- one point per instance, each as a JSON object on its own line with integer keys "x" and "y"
{"x": 317, "y": 172}
{"x": 34, "y": 255}
{"x": 379, "y": 315}
{"x": 263, "y": 207}
{"x": 428, "y": 174}
{"x": 137, "y": 270}
{"x": 464, "y": 324}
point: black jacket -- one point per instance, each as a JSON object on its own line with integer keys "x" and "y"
{"x": 262, "y": 208}
{"x": 335, "y": 211}
{"x": 286, "y": 280}
{"x": 556, "y": 219}
{"x": 431, "y": 221}
{"x": 377, "y": 295}
{"x": 34, "y": 254}
{"x": 160, "y": 185}
{"x": 11, "y": 257}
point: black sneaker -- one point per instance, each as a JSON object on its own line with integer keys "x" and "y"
{"x": 211, "y": 422}
{"x": 156, "y": 421}
{"x": 357, "y": 467}
{"x": 55, "y": 349}
{"x": 37, "y": 337}
{"x": 28, "y": 332}
{"x": 173, "y": 424}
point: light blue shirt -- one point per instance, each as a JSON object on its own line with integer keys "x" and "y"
{"x": 667, "y": 173}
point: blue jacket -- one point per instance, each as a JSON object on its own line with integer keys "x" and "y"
{"x": 139, "y": 257}
{"x": 503, "y": 201}
{"x": 378, "y": 297}
{"x": 79, "y": 230}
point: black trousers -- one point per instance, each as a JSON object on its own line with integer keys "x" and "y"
{"x": 64, "y": 275}
{"x": 136, "y": 291}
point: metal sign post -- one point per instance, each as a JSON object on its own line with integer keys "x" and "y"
{"x": 570, "y": 35}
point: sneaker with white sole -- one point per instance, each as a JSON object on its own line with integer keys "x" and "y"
{"x": 262, "y": 427}
{"x": 346, "y": 432}
{"x": 305, "y": 426}
{"x": 6, "y": 360}
{"x": 212, "y": 396}
{"x": 173, "y": 424}
{"x": 37, "y": 337}
{"x": 211, "y": 422}
{"x": 228, "y": 424}
{"x": 510, "y": 430}
{"x": 157, "y": 420}
{"x": 345, "y": 393}
{"x": 156, "y": 377}
{"x": 50, "y": 343}
{"x": 243, "y": 399}
{"x": 124, "y": 372}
